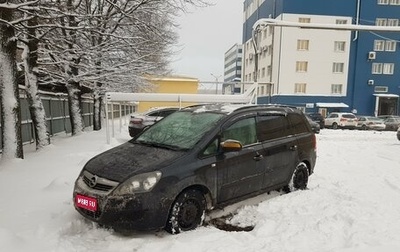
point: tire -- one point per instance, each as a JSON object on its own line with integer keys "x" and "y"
{"x": 299, "y": 178}
{"x": 364, "y": 127}
{"x": 334, "y": 126}
{"x": 187, "y": 212}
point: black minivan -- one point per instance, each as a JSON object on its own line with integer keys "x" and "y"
{"x": 196, "y": 159}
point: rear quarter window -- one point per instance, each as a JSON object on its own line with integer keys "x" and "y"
{"x": 298, "y": 123}
{"x": 349, "y": 116}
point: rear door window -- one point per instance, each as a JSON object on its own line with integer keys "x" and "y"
{"x": 272, "y": 127}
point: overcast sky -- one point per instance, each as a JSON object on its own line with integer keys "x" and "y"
{"x": 205, "y": 35}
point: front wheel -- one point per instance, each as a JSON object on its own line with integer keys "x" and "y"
{"x": 299, "y": 178}
{"x": 334, "y": 126}
{"x": 187, "y": 212}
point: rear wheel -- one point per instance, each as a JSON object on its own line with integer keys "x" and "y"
{"x": 187, "y": 212}
{"x": 299, "y": 178}
{"x": 364, "y": 127}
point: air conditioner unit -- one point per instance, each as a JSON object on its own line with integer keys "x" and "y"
{"x": 371, "y": 55}
{"x": 371, "y": 82}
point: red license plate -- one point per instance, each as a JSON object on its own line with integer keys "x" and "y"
{"x": 85, "y": 202}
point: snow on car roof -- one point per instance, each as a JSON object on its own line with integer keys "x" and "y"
{"x": 216, "y": 107}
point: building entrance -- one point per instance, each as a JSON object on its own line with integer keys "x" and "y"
{"x": 388, "y": 105}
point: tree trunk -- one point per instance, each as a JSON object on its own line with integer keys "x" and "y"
{"x": 9, "y": 93}
{"x": 97, "y": 109}
{"x": 36, "y": 108}
{"x": 75, "y": 112}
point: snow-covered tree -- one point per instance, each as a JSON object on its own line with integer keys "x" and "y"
{"x": 9, "y": 93}
{"x": 111, "y": 45}
{"x": 105, "y": 45}
{"x": 30, "y": 63}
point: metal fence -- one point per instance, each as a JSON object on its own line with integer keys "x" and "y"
{"x": 57, "y": 115}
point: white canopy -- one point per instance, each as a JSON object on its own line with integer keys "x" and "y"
{"x": 332, "y": 105}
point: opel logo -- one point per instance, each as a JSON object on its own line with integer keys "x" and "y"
{"x": 93, "y": 181}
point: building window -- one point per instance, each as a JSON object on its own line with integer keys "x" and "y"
{"x": 392, "y": 22}
{"x": 383, "y": 2}
{"x": 269, "y": 70}
{"x": 337, "y": 67}
{"x": 381, "y": 89}
{"x": 390, "y": 45}
{"x": 302, "y": 45}
{"x": 304, "y": 20}
{"x": 336, "y": 88}
{"x": 339, "y": 46}
{"x": 341, "y": 21}
{"x": 263, "y": 72}
{"x": 388, "y": 68}
{"x": 300, "y": 88}
{"x": 379, "y": 45}
{"x": 301, "y": 66}
{"x": 395, "y": 2}
{"x": 261, "y": 90}
{"x": 381, "y": 22}
{"x": 377, "y": 68}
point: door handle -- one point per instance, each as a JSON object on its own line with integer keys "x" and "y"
{"x": 293, "y": 148}
{"x": 258, "y": 157}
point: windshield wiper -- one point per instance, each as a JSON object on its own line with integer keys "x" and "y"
{"x": 161, "y": 145}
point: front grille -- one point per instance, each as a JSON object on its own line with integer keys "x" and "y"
{"x": 98, "y": 183}
{"x": 97, "y": 186}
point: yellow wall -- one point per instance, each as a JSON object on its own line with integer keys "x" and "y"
{"x": 172, "y": 85}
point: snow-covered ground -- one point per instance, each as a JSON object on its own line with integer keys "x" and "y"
{"x": 352, "y": 204}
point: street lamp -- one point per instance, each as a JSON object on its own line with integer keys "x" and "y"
{"x": 216, "y": 82}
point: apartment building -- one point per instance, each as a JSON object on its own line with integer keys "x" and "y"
{"x": 325, "y": 70}
{"x": 232, "y": 69}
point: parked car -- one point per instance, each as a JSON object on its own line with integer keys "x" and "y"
{"x": 198, "y": 158}
{"x": 314, "y": 125}
{"x": 384, "y": 117}
{"x": 138, "y": 122}
{"x": 370, "y": 123}
{"x": 392, "y": 123}
{"x": 318, "y": 118}
{"x": 337, "y": 120}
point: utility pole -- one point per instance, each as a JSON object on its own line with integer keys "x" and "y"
{"x": 216, "y": 82}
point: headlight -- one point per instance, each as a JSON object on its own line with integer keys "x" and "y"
{"x": 139, "y": 184}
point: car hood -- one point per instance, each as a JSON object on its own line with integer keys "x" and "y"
{"x": 128, "y": 159}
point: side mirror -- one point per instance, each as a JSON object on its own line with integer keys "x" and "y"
{"x": 231, "y": 145}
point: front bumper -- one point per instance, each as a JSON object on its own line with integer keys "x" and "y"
{"x": 140, "y": 212}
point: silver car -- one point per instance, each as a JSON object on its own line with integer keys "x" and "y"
{"x": 370, "y": 123}
{"x": 138, "y": 122}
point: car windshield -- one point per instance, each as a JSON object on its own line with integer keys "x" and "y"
{"x": 179, "y": 131}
